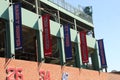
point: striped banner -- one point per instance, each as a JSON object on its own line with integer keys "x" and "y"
{"x": 67, "y": 42}
{"x": 83, "y": 45}
{"x": 102, "y": 53}
{"x": 46, "y": 35}
{"x": 17, "y": 25}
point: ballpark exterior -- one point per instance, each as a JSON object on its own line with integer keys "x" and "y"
{"x": 49, "y": 40}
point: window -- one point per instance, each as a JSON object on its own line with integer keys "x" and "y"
{"x": 55, "y": 58}
{"x": 73, "y": 61}
{"x": 28, "y": 52}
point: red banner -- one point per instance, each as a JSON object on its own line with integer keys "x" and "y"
{"x": 83, "y": 45}
{"x": 46, "y": 35}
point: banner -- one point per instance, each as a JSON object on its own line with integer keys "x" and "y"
{"x": 46, "y": 35}
{"x": 67, "y": 42}
{"x": 102, "y": 53}
{"x": 17, "y": 25}
{"x": 83, "y": 45}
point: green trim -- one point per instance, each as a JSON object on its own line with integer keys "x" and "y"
{"x": 79, "y": 51}
{"x": 39, "y": 50}
{"x": 40, "y": 42}
{"x": 10, "y": 34}
{"x": 95, "y": 59}
{"x": 77, "y": 57}
{"x": 62, "y": 46}
{"x": 60, "y": 51}
{"x": 8, "y": 47}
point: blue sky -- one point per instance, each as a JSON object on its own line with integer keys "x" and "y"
{"x": 106, "y": 18}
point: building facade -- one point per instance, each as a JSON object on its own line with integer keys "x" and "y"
{"x": 47, "y": 32}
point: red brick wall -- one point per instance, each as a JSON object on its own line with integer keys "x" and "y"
{"x": 31, "y": 71}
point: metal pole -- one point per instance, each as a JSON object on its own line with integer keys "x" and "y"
{"x": 58, "y": 16}
{"x": 39, "y": 7}
{"x": 75, "y": 26}
{"x": 36, "y": 6}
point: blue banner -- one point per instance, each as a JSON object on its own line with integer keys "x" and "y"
{"x": 102, "y": 53}
{"x": 67, "y": 42}
{"x": 17, "y": 25}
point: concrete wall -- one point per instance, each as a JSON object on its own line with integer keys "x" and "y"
{"x": 35, "y": 71}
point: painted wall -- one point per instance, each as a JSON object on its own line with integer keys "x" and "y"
{"x": 34, "y": 71}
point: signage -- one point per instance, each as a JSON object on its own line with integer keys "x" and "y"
{"x": 102, "y": 53}
{"x": 14, "y": 73}
{"x": 46, "y": 35}
{"x": 83, "y": 45}
{"x": 65, "y": 76}
{"x": 44, "y": 75}
{"x": 67, "y": 42}
{"x": 17, "y": 25}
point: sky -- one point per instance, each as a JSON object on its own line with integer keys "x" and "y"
{"x": 106, "y": 18}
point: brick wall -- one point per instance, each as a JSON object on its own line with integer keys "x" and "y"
{"x": 37, "y": 71}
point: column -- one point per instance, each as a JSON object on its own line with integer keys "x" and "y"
{"x": 10, "y": 34}
{"x": 40, "y": 41}
{"x": 36, "y": 6}
{"x": 95, "y": 59}
{"x": 62, "y": 47}
{"x": 7, "y": 45}
{"x": 77, "y": 57}
{"x": 58, "y": 16}
{"x": 79, "y": 51}
{"x": 75, "y": 25}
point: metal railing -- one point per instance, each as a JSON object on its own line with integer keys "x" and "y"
{"x": 76, "y": 11}
{"x": 61, "y": 3}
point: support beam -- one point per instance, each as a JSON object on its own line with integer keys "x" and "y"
{"x": 40, "y": 42}
{"x": 75, "y": 25}
{"x": 58, "y": 12}
{"x": 77, "y": 57}
{"x": 60, "y": 51}
{"x": 10, "y": 34}
{"x": 7, "y": 45}
{"x": 95, "y": 59}
{"x": 36, "y": 6}
{"x": 79, "y": 51}
{"x": 39, "y": 7}
{"x": 62, "y": 47}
